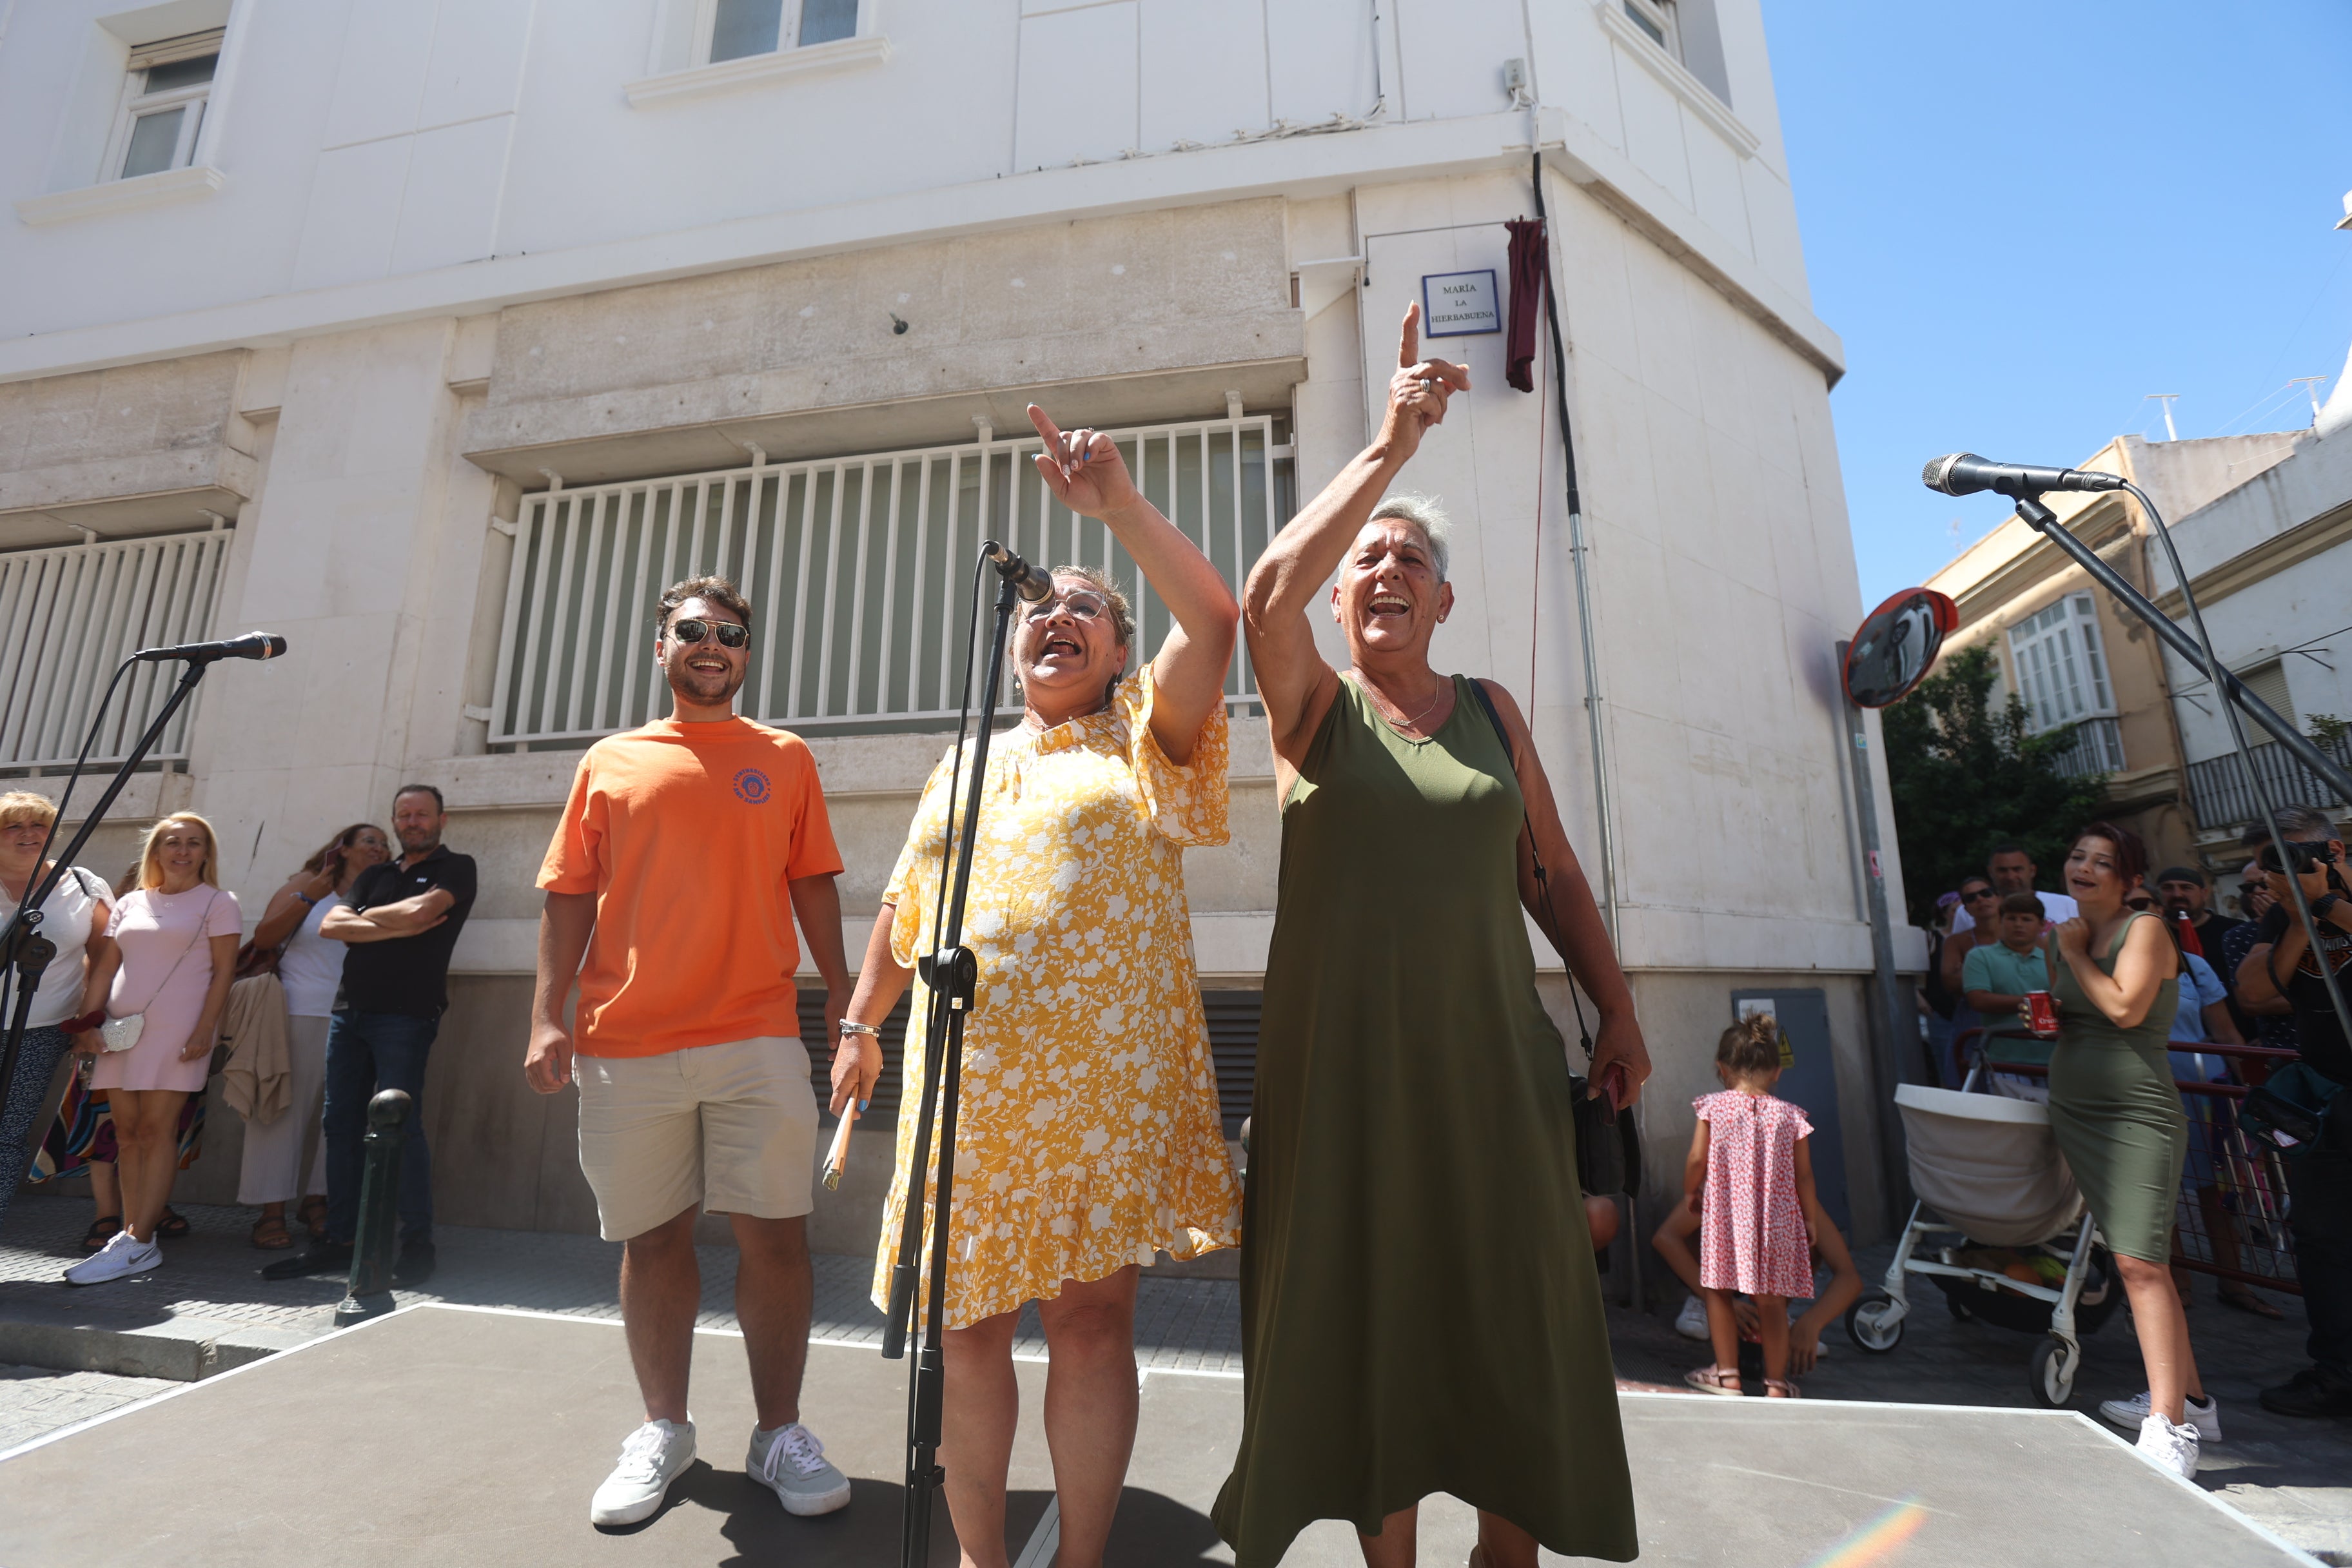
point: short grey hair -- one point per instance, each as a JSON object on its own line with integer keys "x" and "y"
{"x": 1423, "y": 513}
{"x": 2303, "y": 823}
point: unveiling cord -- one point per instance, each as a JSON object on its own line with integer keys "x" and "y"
{"x": 2226, "y": 687}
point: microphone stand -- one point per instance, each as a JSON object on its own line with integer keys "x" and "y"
{"x": 2235, "y": 698}
{"x": 952, "y": 973}
{"x": 22, "y": 949}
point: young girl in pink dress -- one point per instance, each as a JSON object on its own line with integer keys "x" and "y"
{"x": 1751, "y": 1180}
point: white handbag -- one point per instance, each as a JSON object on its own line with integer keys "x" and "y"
{"x": 121, "y": 1034}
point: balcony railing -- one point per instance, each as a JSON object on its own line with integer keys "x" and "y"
{"x": 2097, "y": 747}
{"x": 2220, "y": 795}
{"x": 858, "y": 570}
{"x": 68, "y": 618}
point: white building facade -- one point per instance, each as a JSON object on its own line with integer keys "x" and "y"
{"x": 437, "y": 335}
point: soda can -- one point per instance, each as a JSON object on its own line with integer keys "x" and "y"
{"x": 2042, "y": 1012}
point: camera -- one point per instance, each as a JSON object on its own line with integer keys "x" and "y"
{"x": 2306, "y": 854}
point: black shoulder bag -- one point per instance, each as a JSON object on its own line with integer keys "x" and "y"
{"x": 1608, "y": 1143}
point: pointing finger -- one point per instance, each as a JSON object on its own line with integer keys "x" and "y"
{"x": 1409, "y": 338}
{"x": 1046, "y": 428}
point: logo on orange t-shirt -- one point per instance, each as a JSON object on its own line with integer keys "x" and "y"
{"x": 752, "y": 786}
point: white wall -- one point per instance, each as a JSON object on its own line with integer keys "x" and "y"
{"x": 468, "y": 141}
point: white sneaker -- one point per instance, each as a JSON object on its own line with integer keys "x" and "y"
{"x": 1691, "y": 1322}
{"x": 791, "y": 1461}
{"x": 655, "y": 1455}
{"x": 2171, "y": 1446}
{"x": 2132, "y": 1414}
{"x": 120, "y": 1257}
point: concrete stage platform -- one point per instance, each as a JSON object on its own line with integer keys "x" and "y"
{"x": 459, "y": 1438}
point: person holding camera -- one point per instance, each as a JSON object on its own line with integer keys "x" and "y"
{"x": 1420, "y": 1309}
{"x": 2282, "y": 963}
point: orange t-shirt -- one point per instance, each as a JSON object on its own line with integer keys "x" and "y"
{"x": 689, "y": 836}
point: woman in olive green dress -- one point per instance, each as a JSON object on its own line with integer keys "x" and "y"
{"x": 1419, "y": 1311}
{"x": 2118, "y": 1117}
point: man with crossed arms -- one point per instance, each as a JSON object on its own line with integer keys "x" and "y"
{"x": 685, "y": 851}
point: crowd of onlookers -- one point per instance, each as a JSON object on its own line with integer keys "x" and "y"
{"x": 151, "y": 995}
{"x": 2247, "y": 976}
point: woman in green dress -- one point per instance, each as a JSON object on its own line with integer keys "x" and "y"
{"x": 1419, "y": 1311}
{"x": 2118, "y": 1117}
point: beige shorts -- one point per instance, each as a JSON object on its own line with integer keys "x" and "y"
{"x": 729, "y": 1127}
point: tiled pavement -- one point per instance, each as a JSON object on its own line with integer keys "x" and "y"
{"x": 2296, "y": 1477}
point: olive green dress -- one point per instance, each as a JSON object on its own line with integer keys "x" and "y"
{"x": 1419, "y": 1311}
{"x": 2115, "y": 1110}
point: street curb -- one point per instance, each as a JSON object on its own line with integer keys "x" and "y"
{"x": 180, "y": 1348}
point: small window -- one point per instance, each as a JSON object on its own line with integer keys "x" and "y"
{"x": 2268, "y": 682}
{"x": 163, "y": 98}
{"x": 737, "y": 28}
{"x": 2061, "y": 672}
{"x": 1656, "y": 20}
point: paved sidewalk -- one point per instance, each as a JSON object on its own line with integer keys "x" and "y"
{"x": 2294, "y": 1477}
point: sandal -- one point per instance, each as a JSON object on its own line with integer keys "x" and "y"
{"x": 1783, "y": 1387}
{"x": 1716, "y": 1380}
{"x": 2245, "y": 1300}
{"x": 172, "y": 1226}
{"x": 311, "y": 1214}
{"x": 270, "y": 1235}
{"x": 101, "y": 1231}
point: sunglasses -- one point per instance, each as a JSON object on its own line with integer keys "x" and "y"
{"x": 1083, "y": 603}
{"x": 690, "y": 632}
{"x": 1979, "y": 893}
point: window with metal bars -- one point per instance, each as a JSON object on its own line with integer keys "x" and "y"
{"x": 858, "y": 570}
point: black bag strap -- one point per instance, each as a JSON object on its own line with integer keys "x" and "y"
{"x": 1543, "y": 881}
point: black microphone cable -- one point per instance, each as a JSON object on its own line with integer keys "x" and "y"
{"x": 2223, "y": 682}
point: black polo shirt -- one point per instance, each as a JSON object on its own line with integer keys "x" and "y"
{"x": 407, "y": 974}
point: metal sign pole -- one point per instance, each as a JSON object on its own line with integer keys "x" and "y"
{"x": 1890, "y": 1013}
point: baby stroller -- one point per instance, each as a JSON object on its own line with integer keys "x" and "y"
{"x": 2011, "y": 1244}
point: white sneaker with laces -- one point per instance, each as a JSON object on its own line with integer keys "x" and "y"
{"x": 2132, "y": 1414}
{"x": 1691, "y": 1322}
{"x": 120, "y": 1257}
{"x": 791, "y": 1462}
{"x": 2172, "y": 1446}
{"x": 651, "y": 1457}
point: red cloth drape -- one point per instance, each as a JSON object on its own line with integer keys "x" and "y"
{"x": 1528, "y": 274}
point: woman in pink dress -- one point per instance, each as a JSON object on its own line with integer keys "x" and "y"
{"x": 172, "y": 954}
{"x": 1751, "y": 1181}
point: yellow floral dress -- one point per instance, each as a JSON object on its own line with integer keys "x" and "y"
{"x": 1089, "y": 1135}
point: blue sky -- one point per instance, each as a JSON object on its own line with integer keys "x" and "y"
{"x": 2016, "y": 256}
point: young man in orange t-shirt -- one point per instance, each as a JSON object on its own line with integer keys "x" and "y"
{"x": 684, "y": 853}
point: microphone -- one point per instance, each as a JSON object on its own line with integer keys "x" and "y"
{"x": 1027, "y": 581}
{"x": 1964, "y": 473}
{"x": 252, "y": 644}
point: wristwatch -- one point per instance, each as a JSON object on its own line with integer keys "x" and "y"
{"x": 2325, "y": 902}
{"x": 849, "y": 1029}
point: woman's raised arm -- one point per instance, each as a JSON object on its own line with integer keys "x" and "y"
{"x": 1086, "y": 474}
{"x": 1293, "y": 679}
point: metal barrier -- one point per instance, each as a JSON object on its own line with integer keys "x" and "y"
{"x": 2232, "y": 1214}
{"x": 369, "y": 1293}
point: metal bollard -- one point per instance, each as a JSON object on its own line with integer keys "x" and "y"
{"x": 369, "y": 1293}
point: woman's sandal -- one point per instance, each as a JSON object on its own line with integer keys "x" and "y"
{"x": 2245, "y": 1300}
{"x": 101, "y": 1230}
{"x": 1781, "y": 1386}
{"x": 1715, "y": 1380}
{"x": 311, "y": 1214}
{"x": 270, "y": 1235}
{"x": 172, "y": 1226}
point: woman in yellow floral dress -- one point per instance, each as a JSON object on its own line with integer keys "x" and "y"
{"x": 1089, "y": 1135}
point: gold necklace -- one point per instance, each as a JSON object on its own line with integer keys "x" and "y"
{"x": 1386, "y": 707}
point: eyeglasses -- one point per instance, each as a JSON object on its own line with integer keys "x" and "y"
{"x": 691, "y": 632}
{"x": 1083, "y": 603}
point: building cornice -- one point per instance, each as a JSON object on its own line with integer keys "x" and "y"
{"x": 2273, "y": 555}
{"x": 1296, "y": 167}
